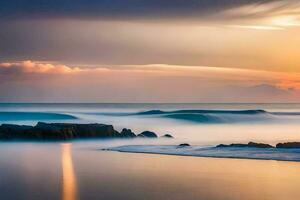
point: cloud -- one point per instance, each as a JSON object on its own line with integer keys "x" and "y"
{"x": 271, "y": 15}
{"x": 114, "y": 9}
{"x": 212, "y": 33}
{"x": 267, "y": 89}
{"x": 41, "y": 81}
{"x": 247, "y": 77}
{"x": 257, "y": 27}
{"x": 277, "y": 13}
{"x": 31, "y": 67}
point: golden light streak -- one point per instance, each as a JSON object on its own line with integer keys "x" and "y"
{"x": 69, "y": 185}
{"x": 257, "y": 27}
{"x": 286, "y": 21}
{"x": 278, "y": 15}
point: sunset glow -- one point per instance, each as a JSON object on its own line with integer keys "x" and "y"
{"x": 213, "y": 47}
{"x": 150, "y": 99}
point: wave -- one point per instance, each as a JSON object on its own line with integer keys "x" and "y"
{"x": 24, "y": 116}
{"x": 246, "y": 112}
{"x": 209, "y": 116}
{"x": 218, "y": 116}
{"x": 195, "y": 116}
{"x": 286, "y": 113}
{"x": 200, "y": 118}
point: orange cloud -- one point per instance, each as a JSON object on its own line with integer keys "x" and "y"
{"x": 229, "y": 76}
{"x": 31, "y": 80}
{"x": 31, "y": 67}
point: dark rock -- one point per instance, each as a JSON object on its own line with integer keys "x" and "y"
{"x": 221, "y": 145}
{"x": 127, "y": 133}
{"x": 57, "y": 131}
{"x": 147, "y": 134}
{"x": 10, "y": 131}
{"x": 250, "y": 144}
{"x": 183, "y": 145}
{"x": 167, "y": 136}
{"x": 66, "y": 131}
{"x": 15, "y": 127}
{"x": 259, "y": 145}
{"x": 288, "y": 145}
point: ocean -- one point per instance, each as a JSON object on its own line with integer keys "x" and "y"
{"x": 81, "y": 170}
{"x": 195, "y": 123}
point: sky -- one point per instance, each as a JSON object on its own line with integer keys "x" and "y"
{"x": 153, "y": 51}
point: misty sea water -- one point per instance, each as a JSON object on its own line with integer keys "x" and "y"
{"x": 81, "y": 170}
{"x": 195, "y": 123}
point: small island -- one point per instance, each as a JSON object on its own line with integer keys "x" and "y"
{"x": 250, "y": 144}
{"x": 286, "y": 145}
{"x": 66, "y": 131}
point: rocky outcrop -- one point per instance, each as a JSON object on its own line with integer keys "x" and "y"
{"x": 66, "y": 131}
{"x": 250, "y": 144}
{"x": 127, "y": 133}
{"x": 288, "y": 145}
{"x": 183, "y": 145}
{"x": 167, "y": 136}
{"x": 57, "y": 131}
{"x": 147, "y": 134}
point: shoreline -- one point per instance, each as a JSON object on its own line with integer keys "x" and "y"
{"x": 238, "y": 158}
{"x": 203, "y": 154}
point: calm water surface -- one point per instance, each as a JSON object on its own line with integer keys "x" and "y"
{"x": 80, "y": 171}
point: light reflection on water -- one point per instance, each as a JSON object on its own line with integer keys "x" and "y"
{"x": 52, "y": 171}
{"x": 69, "y": 185}
{"x": 80, "y": 171}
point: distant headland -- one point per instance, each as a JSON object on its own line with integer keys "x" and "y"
{"x": 67, "y": 131}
